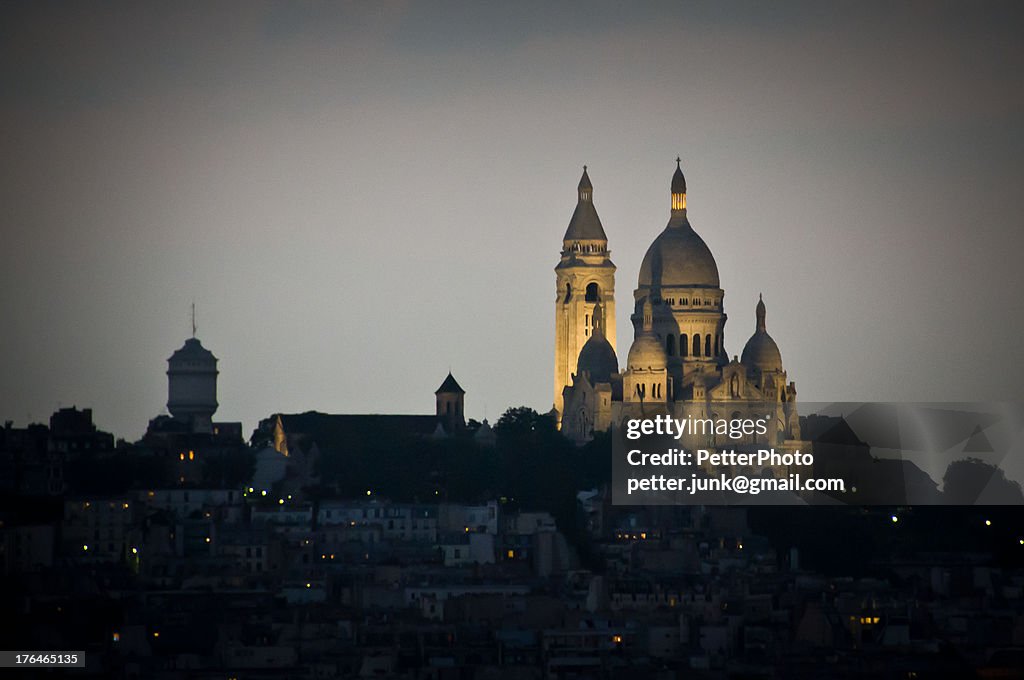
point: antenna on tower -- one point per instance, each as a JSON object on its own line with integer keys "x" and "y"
{"x": 193, "y": 318}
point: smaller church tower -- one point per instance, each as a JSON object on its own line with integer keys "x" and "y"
{"x": 192, "y": 386}
{"x": 646, "y": 376}
{"x": 584, "y": 279}
{"x": 450, "y": 401}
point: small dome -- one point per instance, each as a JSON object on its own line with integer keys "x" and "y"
{"x": 762, "y": 353}
{"x": 647, "y": 352}
{"x": 679, "y": 257}
{"x": 598, "y": 358}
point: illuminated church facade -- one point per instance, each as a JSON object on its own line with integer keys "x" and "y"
{"x": 677, "y": 363}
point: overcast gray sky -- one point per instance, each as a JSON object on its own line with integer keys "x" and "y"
{"x": 359, "y": 197}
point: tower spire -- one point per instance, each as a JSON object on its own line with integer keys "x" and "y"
{"x": 193, "y": 318}
{"x": 760, "y": 312}
{"x": 678, "y": 188}
{"x": 585, "y": 189}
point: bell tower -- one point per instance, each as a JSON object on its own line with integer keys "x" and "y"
{"x": 450, "y": 399}
{"x": 584, "y": 278}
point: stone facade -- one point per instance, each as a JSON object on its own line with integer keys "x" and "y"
{"x": 677, "y": 364}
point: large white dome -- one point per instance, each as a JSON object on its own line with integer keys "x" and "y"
{"x": 679, "y": 257}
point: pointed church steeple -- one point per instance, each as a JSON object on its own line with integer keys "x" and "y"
{"x": 450, "y": 399}
{"x": 585, "y": 188}
{"x": 678, "y": 188}
{"x": 584, "y": 225}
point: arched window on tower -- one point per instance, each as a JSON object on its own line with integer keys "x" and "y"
{"x": 707, "y": 345}
{"x": 670, "y": 345}
{"x": 568, "y": 292}
{"x": 734, "y": 386}
{"x": 683, "y": 345}
{"x": 593, "y": 292}
{"x": 696, "y": 344}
